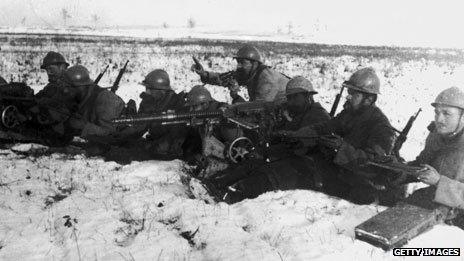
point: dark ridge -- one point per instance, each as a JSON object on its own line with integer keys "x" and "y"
{"x": 230, "y": 46}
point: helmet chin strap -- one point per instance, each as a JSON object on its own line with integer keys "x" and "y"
{"x": 458, "y": 128}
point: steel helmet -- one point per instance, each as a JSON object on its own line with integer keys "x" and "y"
{"x": 197, "y": 95}
{"x": 158, "y": 80}
{"x": 77, "y": 75}
{"x": 53, "y": 58}
{"x": 248, "y": 52}
{"x": 299, "y": 84}
{"x": 453, "y": 96}
{"x": 364, "y": 80}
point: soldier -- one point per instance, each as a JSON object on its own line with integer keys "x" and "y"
{"x": 160, "y": 97}
{"x": 96, "y": 107}
{"x": 303, "y": 110}
{"x": 55, "y": 65}
{"x": 443, "y": 155}
{"x": 262, "y": 82}
{"x": 200, "y": 99}
{"x": 288, "y": 170}
{"x": 359, "y": 133}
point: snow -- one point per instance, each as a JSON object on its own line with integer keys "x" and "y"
{"x": 63, "y": 207}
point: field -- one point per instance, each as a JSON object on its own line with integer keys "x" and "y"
{"x": 61, "y": 205}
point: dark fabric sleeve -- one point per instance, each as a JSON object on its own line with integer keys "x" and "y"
{"x": 318, "y": 115}
{"x": 379, "y": 140}
{"x": 214, "y": 78}
{"x": 108, "y": 107}
{"x": 328, "y": 127}
{"x": 47, "y": 92}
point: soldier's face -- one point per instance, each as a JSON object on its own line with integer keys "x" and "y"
{"x": 55, "y": 71}
{"x": 354, "y": 99}
{"x": 155, "y": 93}
{"x": 244, "y": 68}
{"x": 199, "y": 107}
{"x": 69, "y": 91}
{"x": 297, "y": 102}
{"x": 448, "y": 120}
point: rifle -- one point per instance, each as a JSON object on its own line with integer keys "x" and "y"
{"x": 333, "y": 110}
{"x": 115, "y": 86}
{"x": 403, "y": 134}
{"x": 399, "y": 167}
{"x": 388, "y": 162}
{"x": 101, "y": 75}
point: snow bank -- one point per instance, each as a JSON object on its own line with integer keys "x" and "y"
{"x": 62, "y": 207}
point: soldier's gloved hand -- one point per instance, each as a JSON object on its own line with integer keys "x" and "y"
{"x": 333, "y": 141}
{"x": 198, "y": 68}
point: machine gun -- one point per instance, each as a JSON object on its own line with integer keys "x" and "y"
{"x": 115, "y": 86}
{"x": 23, "y": 118}
{"x": 256, "y": 119}
{"x": 15, "y": 97}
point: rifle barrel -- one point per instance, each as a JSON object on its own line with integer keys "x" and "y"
{"x": 338, "y": 97}
{"x": 100, "y": 75}
{"x": 398, "y": 167}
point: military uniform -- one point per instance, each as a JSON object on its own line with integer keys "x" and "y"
{"x": 49, "y": 91}
{"x": 366, "y": 133}
{"x": 164, "y": 139}
{"x": 263, "y": 83}
{"x": 286, "y": 169}
{"x": 98, "y": 109}
{"x": 53, "y": 88}
{"x": 446, "y": 155}
{"x": 313, "y": 114}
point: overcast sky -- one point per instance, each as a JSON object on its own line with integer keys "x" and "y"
{"x": 389, "y": 21}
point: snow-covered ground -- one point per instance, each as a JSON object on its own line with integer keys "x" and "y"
{"x": 61, "y": 205}
{"x": 69, "y": 207}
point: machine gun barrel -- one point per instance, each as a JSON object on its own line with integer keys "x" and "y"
{"x": 169, "y": 117}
